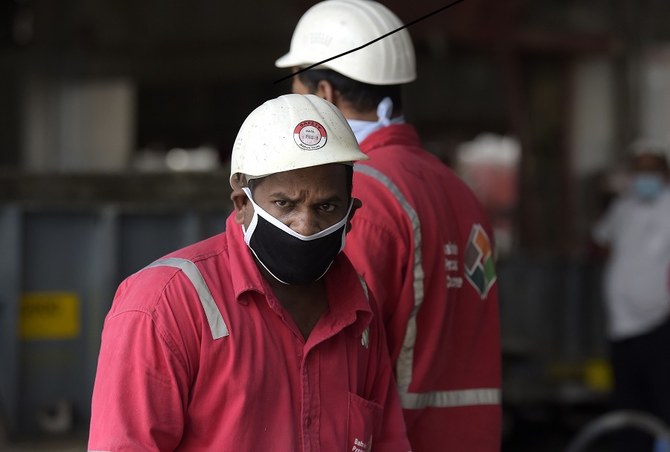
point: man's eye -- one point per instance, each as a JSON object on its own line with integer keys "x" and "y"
{"x": 281, "y": 203}
{"x": 328, "y": 207}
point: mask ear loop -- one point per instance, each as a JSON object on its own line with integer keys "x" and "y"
{"x": 248, "y": 232}
{"x": 384, "y": 111}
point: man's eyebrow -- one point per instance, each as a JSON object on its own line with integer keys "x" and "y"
{"x": 325, "y": 199}
{"x": 282, "y": 195}
{"x": 329, "y": 199}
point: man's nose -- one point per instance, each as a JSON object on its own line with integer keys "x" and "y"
{"x": 305, "y": 223}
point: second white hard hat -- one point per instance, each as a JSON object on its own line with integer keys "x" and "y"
{"x": 333, "y": 27}
{"x": 291, "y": 132}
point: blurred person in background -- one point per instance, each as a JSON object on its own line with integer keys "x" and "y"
{"x": 421, "y": 240}
{"x": 635, "y": 235}
{"x": 261, "y": 338}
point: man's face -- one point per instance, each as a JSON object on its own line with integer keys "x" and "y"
{"x": 307, "y": 200}
{"x": 649, "y": 163}
{"x": 649, "y": 177}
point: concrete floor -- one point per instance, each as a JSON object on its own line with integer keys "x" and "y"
{"x": 69, "y": 443}
{"x": 52, "y": 445}
{"x": 541, "y": 434}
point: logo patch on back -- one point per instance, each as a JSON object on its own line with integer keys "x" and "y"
{"x": 480, "y": 269}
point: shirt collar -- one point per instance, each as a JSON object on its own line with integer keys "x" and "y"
{"x": 243, "y": 270}
{"x": 363, "y": 129}
{"x": 347, "y": 297}
{"x": 393, "y": 135}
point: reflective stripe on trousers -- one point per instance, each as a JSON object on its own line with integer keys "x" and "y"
{"x": 437, "y": 399}
{"x": 214, "y": 318}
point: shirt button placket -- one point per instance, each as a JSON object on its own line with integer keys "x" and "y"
{"x": 306, "y": 441}
{"x": 307, "y": 408}
{"x": 311, "y": 404}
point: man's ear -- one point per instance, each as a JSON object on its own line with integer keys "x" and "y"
{"x": 240, "y": 204}
{"x": 325, "y": 90}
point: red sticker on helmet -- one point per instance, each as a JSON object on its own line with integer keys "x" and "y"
{"x": 310, "y": 135}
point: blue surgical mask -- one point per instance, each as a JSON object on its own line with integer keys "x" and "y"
{"x": 647, "y": 186}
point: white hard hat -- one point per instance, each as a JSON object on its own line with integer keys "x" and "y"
{"x": 332, "y": 27}
{"x": 290, "y": 132}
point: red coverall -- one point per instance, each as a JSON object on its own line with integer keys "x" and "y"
{"x": 198, "y": 354}
{"x": 424, "y": 245}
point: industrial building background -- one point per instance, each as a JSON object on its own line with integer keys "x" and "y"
{"x": 117, "y": 119}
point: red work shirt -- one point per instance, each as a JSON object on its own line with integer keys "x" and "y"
{"x": 423, "y": 243}
{"x": 198, "y": 354}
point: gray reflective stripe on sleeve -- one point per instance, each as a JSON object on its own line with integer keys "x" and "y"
{"x": 451, "y": 399}
{"x": 364, "y": 286}
{"x": 406, "y": 356}
{"x": 404, "y": 365}
{"x": 214, "y": 318}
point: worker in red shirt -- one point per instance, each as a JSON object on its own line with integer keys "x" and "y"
{"x": 261, "y": 338}
{"x": 422, "y": 241}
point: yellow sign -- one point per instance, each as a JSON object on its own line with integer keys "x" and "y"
{"x": 599, "y": 376}
{"x": 49, "y": 315}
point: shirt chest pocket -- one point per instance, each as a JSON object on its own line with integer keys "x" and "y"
{"x": 363, "y": 422}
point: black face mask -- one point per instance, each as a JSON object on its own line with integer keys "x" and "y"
{"x": 293, "y": 258}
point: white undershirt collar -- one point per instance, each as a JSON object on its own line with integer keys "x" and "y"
{"x": 362, "y": 129}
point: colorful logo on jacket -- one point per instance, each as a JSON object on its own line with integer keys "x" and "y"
{"x": 310, "y": 135}
{"x": 480, "y": 269}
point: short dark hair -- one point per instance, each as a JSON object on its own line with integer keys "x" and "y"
{"x": 362, "y": 96}
{"x": 660, "y": 158}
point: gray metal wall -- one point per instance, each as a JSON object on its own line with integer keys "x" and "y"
{"x": 553, "y": 329}
{"x": 84, "y": 251}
